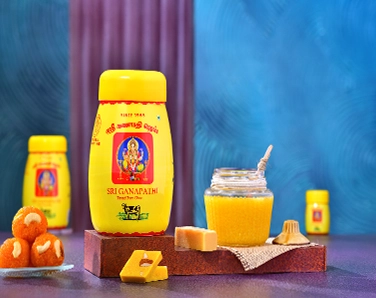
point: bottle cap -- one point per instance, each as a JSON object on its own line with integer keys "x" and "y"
{"x": 132, "y": 85}
{"x": 47, "y": 144}
{"x": 319, "y": 196}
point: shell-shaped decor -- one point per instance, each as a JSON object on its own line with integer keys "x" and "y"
{"x": 291, "y": 234}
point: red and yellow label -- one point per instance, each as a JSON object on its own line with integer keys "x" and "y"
{"x": 132, "y": 158}
{"x": 47, "y": 187}
{"x": 131, "y": 169}
{"x": 46, "y": 183}
{"x": 317, "y": 219}
{"x": 317, "y": 215}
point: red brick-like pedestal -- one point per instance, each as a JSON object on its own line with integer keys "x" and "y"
{"x": 105, "y": 257}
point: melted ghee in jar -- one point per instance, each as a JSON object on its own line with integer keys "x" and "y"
{"x": 239, "y": 221}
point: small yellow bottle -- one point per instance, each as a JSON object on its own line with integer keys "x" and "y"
{"x": 317, "y": 212}
{"x": 47, "y": 179}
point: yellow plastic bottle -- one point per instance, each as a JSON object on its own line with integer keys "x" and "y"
{"x": 317, "y": 212}
{"x": 47, "y": 179}
{"x": 131, "y": 160}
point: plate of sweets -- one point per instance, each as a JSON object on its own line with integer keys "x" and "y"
{"x": 32, "y": 251}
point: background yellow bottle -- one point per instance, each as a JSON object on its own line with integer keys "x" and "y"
{"x": 47, "y": 180}
{"x": 317, "y": 212}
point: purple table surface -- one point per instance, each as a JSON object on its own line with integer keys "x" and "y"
{"x": 351, "y": 272}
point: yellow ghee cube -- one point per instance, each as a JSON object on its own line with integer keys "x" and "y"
{"x": 196, "y": 238}
{"x": 239, "y": 221}
{"x": 160, "y": 273}
{"x": 140, "y": 266}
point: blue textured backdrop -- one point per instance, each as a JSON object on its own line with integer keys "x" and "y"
{"x": 34, "y": 90}
{"x": 299, "y": 75}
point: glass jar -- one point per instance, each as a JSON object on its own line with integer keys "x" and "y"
{"x": 239, "y": 207}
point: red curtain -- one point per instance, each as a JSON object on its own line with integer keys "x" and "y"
{"x": 131, "y": 34}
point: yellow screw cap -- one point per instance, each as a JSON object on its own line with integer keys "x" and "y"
{"x": 132, "y": 85}
{"x": 47, "y": 144}
{"x": 319, "y": 196}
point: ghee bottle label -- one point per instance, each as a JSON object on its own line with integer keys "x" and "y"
{"x": 47, "y": 187}
{"x": 132, "y": 164}
{"x": 46, "y": 183}
{"x": 131, "y": 169}
{"x": 317, "y": 215}
{"x": 317, "y": 219}
{"x": 132, "y": 158}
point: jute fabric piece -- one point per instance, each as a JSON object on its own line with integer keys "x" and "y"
{"x": 255, "y": 256}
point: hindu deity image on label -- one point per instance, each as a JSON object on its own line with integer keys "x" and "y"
{"x": 132, "y": 158}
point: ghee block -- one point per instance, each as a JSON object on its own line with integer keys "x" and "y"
{"x": 140, "y": 266}
{"x": 196, "y": 238}
{"x": 160, "y": 273}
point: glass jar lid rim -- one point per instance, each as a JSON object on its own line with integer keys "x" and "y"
{"x": 238, "y": 177}
{"x": 225, "y": 171}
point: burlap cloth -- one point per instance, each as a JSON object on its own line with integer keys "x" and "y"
{"x": 255, "y": 256}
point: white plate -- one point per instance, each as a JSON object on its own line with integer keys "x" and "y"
{"x": 33, "y": 271}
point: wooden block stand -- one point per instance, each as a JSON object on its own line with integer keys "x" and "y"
{"x": 105, "y": 257}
